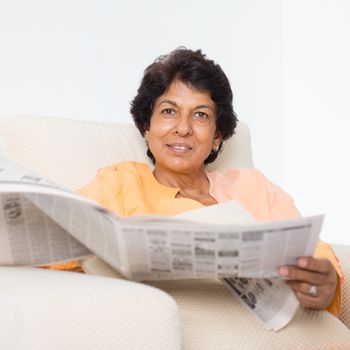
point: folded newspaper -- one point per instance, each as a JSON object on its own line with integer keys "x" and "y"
{"x": 41, "y": 223}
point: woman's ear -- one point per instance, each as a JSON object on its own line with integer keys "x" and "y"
{"x": 146, "y": 135}
{"x": 217, "y": 142}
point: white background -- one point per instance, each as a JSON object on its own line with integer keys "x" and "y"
{"x": 288, "y": 63}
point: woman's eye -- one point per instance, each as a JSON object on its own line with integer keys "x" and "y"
{"x": 201, "y": 115}
{"x": 168, "y": 111}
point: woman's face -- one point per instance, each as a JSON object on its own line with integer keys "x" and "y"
{"x": 182, "y": 130}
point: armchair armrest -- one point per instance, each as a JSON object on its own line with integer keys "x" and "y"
{"x": 44, "y": 309}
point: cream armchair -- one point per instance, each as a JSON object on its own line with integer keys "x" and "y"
{"x": 50, "y": 310}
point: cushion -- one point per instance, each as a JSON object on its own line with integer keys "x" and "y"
{"x": 45, "y": 309}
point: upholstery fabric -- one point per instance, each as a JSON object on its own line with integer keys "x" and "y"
{"x": 42, "y": 309}
{"x": 69, "y": 152}
{"x": 212, "y": 319}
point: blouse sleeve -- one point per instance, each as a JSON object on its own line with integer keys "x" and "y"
{"x": 324, "y": 250}
{"x": 281, "y": 208}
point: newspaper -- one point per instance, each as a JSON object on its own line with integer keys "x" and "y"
{"x": 41, "y": 223}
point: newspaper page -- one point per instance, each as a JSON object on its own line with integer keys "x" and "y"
{"x": 97, "y": 228}
{"x": 29, "y": 236}
{"x": 270, "y": 300}
{"x": 171, "y": 248}
{"x": 43, "y": 225}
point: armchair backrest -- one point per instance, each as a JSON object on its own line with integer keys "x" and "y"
{"x": 69, "y": 152}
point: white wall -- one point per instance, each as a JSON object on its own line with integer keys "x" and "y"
{"x": 317, "y": 110}
{"x": 84, "y": 59}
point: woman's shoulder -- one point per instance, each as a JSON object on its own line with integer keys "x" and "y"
{"x": 247, "y": 174}
{"x": 114, "y": 177}
{"x": 242, "y": 180}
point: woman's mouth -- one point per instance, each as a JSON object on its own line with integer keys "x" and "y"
{"x": 179, "y": 147}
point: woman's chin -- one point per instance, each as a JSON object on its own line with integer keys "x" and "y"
{"x": 181, "y": 166}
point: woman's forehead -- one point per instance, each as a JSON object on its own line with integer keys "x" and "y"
{"x": 179, "y": 91}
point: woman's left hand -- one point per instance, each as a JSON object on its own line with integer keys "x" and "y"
{"x": 313, "y": 280}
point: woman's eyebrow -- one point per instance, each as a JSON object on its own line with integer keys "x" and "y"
{"x": 173, "y": 103}
{"x": 204, "y": 106}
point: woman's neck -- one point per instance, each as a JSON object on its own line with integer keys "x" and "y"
{"x": 194, "y": 185}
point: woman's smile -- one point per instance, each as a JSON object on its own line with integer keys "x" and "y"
{"x": 179, "y": 148}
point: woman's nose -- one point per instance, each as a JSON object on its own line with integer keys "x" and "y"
{"x": 183, "y": 126}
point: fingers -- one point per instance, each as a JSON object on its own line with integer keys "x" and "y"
{"x": 321, "y": 265}
{"x": 303, "y": 288}
{"x": 321, "y": 300}
{"x": 295, "y": 273}
{"x": 315, "y": 271}
{"x": 318, "y": 302}
{"x": 318, "y": 272}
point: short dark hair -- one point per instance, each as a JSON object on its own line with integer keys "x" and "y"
{"x": 192, "y": 68}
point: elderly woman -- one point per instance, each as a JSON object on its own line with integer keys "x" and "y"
{"x": 183, "y": 109}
